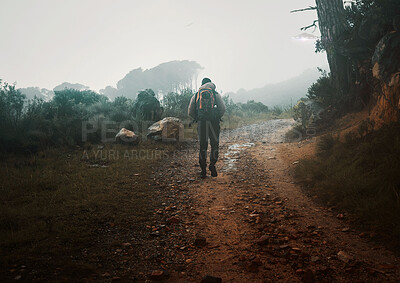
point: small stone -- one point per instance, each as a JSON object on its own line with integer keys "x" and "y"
{"x": 263, "y": 240}
{"x": 347, "y": 229}
{"x": 386, "y": 266}
{"x": 340, "y": 216}
{"x": 173, "y": 220}
{"x": 343, "y": 256}
{"x": 314, "y": 258}
{"x": 157, "y": 275}
{"x": 200, "y": 242}
{"x": 211, "y": 279}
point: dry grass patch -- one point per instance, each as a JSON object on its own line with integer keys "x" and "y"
{"x": 54, "y": 203}
{"x": 360, "y": 175}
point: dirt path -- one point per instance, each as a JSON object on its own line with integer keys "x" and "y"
{"x": 254, "y": 224}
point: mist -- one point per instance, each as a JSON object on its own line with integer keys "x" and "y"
{"x": 240, "y": 45}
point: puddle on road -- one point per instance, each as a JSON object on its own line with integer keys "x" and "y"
{"x": 233, "y": 154}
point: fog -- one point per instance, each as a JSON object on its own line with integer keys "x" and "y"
{"x": 239, "y": 44}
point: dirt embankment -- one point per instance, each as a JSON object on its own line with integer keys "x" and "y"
{"x": 253, "y": 223}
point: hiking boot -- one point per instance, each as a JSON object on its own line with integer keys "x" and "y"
{"x": 213, "y": 170}
{"x": 203, "y": 173}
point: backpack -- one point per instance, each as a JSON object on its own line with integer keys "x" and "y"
{"x": 205, "y": 104}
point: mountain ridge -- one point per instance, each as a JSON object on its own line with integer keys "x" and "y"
{"x": 281, "y": 93}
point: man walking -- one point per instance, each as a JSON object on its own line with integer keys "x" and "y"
{"x": 207, "y": 108}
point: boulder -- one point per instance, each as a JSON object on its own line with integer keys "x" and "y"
{"x": 167, "y": 129}
{"x": 126, "y": 136}
{"x": 386, "y": 59}
{"x": 386, "y": 68}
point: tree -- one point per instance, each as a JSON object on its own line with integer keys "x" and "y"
{"x": 332, "y": 24}
{"x": 11, "y": 107}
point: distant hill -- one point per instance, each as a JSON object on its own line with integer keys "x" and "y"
{"x": 41, "y": 93}
{"x": 47, "y": 94}
{"x": 67, "y": 85}
{"x": 166, "y": 77}
{"x": 279, "y": 93}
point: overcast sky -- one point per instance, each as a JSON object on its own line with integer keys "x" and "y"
{"x": 240, "y": 44}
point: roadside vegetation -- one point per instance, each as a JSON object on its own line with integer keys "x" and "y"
{"x": 359, "y": 173}
{"x": 75, "y": 117}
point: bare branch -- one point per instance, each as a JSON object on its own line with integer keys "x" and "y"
{"x": 310, "y": 8}
{"x": 310, "y": 26}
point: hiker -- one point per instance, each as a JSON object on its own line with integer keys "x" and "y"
{"x": 207, "y": 107}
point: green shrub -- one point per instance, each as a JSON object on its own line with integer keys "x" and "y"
{"x": 147, "y": 107}
{"x": 32, "y": 125}
{"x": 176, "y": 104}
{"x": 11, "y": 116}
{"x": 324, "y": 92}
{"x": 277, "y": 110}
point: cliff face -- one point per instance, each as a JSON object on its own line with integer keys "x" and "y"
{"x": 386, "y": 69}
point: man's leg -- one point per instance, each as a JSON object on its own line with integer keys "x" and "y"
{"x": 203, "y": 139}
{"x": 214, "y": 130}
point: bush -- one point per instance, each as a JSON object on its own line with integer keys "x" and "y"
{"x": 324, "y": 92}
{"x": 31, "y": 125}
{"x": 231, "y": 106}
{"x": 11, "y": 115}
{"x": 147, "y": 107}
{"x": 277, "y": 110}
{"x": 359, "y": 175}
{"x": 307, "y": 113}
{"x": 11, "y": 106}
{"x": 176, "y": 104}
{"x": 251, "y": 107}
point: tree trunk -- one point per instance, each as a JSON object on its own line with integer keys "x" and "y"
{"x": 332, "y": 24}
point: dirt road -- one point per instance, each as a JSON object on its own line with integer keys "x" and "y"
{"x": 253, "y": 223}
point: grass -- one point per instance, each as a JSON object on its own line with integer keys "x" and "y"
{"x": 361, "y": 176}
{"x": 54, "y": 202}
